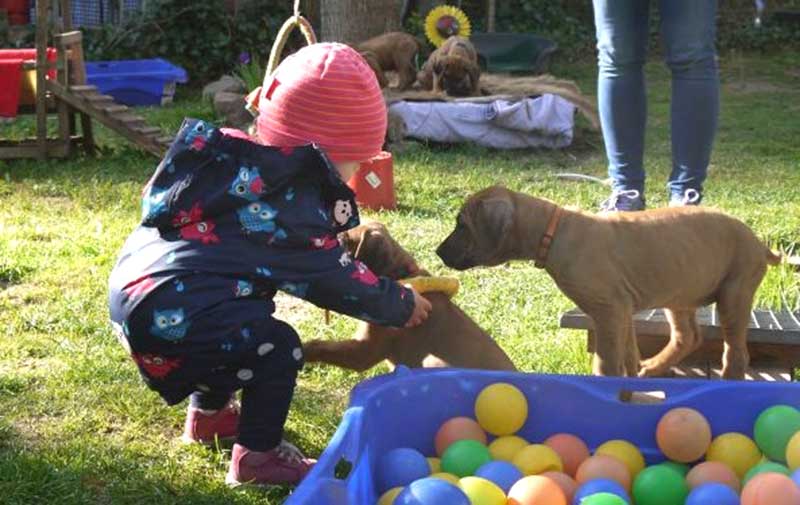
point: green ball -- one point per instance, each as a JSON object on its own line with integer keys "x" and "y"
{"x": 679, "y": 467}
{"x": 773, "y": 430}
{"x": 765, "y": 467}
{"x": 464, "y": 457}
{"x": 603, "y": 499}
{"x": 660, "y": 485}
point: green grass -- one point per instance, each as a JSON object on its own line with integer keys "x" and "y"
{"x": 78, "y": 426}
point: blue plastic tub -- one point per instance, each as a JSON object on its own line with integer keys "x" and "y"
{"x": 136, "y": 82}
{"x": 405, "y": 408}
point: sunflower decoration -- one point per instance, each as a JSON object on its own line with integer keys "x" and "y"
{"x": 445, "y": 21}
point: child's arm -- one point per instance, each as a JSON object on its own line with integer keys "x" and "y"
{"x": 331, "y": 279}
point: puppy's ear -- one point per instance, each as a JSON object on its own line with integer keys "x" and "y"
{"x": 497, "y": 216}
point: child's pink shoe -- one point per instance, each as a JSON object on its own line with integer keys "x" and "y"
{"x": 284, "y": 464}
{"x": 205, "y": 428}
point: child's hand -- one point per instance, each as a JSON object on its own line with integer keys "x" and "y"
{"x": 422, "y": 308}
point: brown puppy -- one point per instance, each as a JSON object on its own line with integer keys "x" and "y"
{"x": 453, "y": 68}
{"x": 615, "y": 264}
{"x": 447, "y": 338}
{"x": 393, "y": 51}
{"x": 372, "y": 60}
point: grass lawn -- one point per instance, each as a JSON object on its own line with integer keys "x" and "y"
{"x": 77, "y": 425}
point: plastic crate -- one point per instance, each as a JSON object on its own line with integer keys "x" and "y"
{"x": 405, "y": 409}
{"x": 513, "y": 52}
{"x": 136, "y": 82}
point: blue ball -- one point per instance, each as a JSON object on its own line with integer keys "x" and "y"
{"x": 712, "y": 493}
{"x": 595, "y": 486}
{"x": 431, "y": 492}
{"x": 401, "y": 467}
{"x": 502, "y": 473}
{"x": 796, "y": 476}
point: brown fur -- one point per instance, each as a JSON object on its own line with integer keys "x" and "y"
{"x": 392, "y": 51}
{"x": 615, "y": 264}
{"x": 453, "y": 69}
{"x": 447, "y": 338}
{"x": 372, "y": 60}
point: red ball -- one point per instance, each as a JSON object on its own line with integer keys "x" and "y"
{"x": 771, "y": 489}
{"x": 571, "y": 449}
{"x": 683, "y": 435}
{"x": 455, "y": 429}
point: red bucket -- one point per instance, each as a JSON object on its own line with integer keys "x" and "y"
{"x": 373, "y": 183}
{"x": 17, "y": 11}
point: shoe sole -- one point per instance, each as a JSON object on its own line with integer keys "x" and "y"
{"x": 187, "y": 440}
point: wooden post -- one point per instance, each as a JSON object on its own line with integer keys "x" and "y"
{"x": 41, "y": 75}
{"x": 491, "y": 16}
{"x": 64, "y": 132}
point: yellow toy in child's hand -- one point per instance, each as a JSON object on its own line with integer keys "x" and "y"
{"x": 446, "y": 285}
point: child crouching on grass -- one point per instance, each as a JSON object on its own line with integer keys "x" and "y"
{"x": 228, "y": 220}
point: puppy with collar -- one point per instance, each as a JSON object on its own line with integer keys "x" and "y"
{"x": 615, "y": 264}
{"x": 453, "y": 69}
{"x": 447, "y": 338}
{"x": 395, "y": 51}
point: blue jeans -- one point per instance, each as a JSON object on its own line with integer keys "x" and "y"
{"x": 688, "y": 32}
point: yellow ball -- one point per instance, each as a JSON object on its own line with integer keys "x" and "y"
{"x": 505, "y": 448}
{"x": 435, "y": 464}
{"x": 501, "y": 409}
{"x": 625, "y": 452}
{"x": 482, "y": 492}
{"x": 735, "y": 450}
{"x": 537, "y": 458}
{"x": 388, "y": 497}
{"x": 449, "y": 477}
{"x": 793, "y": 452}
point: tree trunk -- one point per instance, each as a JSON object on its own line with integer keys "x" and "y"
{"x": 357, "y": 20}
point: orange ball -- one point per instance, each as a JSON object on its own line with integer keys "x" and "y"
{"x": 536, "y": 490}
{"x": 565, "y": 482}
{"x": 604, "y": 467}
{"x": 771, "y": 489}
{"x": 455, "y": 429}
{"x": 571, "y": 449}
{"x": 683, "y": 435}
{"x": 713, "y": 471}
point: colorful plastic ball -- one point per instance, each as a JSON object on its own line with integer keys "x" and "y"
{"x": 713, "y": 493}
{"x": 401, "y": 467}
{"x": 793, "y": 452}
{"x": 771, "y": 489}
{"x": 625, "y": 452}
{"x": 765, "y": 467}
{"x": 448, "y": 477}
{"x": 571, "y": 449}
{"x": 388, "y": 497}
{"x": 536, "y": 490}
{"x": 482, "y": 492}
{"x": 683, "y": 435}
{"x": 458, "y": 428}
{"x": 713, "y": 471}
{"x": 681, "y": 468}
{"x": 537, "y": 458}
{"x": 464, "y": 457}
{"x": 505, "y": 448}
{"x": 599, "y": 486}
{"x": 501, "y": 409}
{"x": 502, "y": 473}
{"x": 659, "y": 485}
{"x": 796, "y": 477}
{"x": 603, "y": 499}
{"x": 773, "y": 429}
{"x": 565, "y": 482}
{"x": 604, "y": 467}
{"x": 435, "y": 464}
{"x": 735, "y": 450}
{"x": 431, "y": 492}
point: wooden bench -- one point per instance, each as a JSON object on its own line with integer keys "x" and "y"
{"x": 773, "y": 340}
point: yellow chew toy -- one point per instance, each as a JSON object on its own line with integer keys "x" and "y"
{"x": 446, "y": 285}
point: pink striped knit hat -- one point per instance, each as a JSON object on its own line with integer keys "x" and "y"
{"x": 324, "y": 94}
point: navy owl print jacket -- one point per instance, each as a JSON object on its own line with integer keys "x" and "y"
{"x": 264, "y": 217}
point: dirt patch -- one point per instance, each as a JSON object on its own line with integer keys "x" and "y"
{"x": 294, "y": 310}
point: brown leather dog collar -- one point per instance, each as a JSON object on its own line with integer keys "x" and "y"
{"x": 547, "y": 238}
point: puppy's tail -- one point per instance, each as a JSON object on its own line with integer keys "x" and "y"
{"x": 773, "y": 258}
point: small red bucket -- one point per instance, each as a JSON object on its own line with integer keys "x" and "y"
{"x": 373, "y": 183}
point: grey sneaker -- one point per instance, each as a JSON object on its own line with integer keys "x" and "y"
{"x": 689, "y": 197}
{"x": 624, "y": 200}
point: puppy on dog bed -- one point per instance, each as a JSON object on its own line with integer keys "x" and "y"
{"x": 615, "y": 264}
{"x": 453, "y": 68}
{"x": 447, "y": 338}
